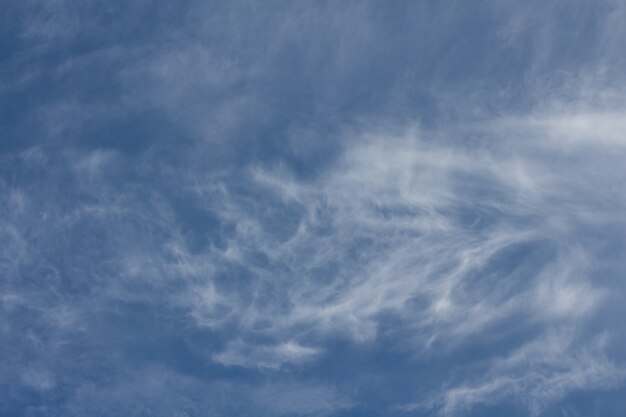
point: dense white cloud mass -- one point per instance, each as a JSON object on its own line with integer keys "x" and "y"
{"x": 281, "y": 209}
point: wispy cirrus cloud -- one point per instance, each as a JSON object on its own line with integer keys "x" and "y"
{"x": 289, "y": 209}
{"x": 454, "y": 241}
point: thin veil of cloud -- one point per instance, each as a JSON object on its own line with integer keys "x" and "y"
{"x": 328, "y": 209}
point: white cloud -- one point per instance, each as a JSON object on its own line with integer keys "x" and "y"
{"x": 249, "y": 354}
{"x": 454, "y": 232}
{"x": 535, "y": 374}
{"x": 441, "y": 235}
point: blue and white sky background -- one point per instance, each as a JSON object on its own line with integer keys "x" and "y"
{"x": 313, "y": 208}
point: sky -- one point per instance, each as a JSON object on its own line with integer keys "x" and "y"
{"x": 312, "y": 208}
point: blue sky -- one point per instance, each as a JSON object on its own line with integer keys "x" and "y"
{"x": 290, "y": 208}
